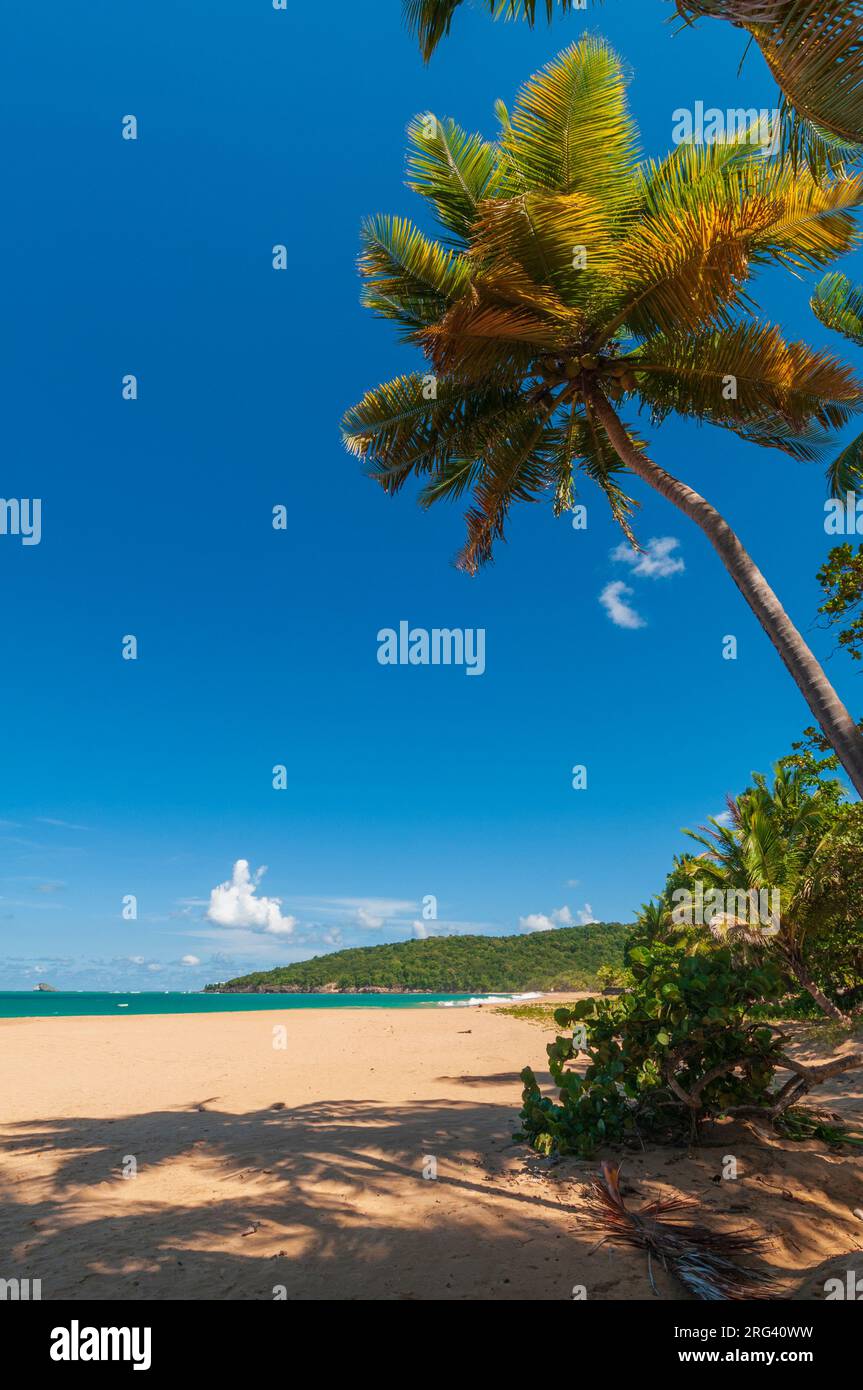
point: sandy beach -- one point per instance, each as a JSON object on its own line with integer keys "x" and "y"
{"x": 298, "y": 1171}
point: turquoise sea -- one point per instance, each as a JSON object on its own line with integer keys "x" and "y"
{"x": 32, "y": 1004}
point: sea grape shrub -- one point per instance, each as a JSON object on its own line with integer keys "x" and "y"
{"x": 687, "y": 1021}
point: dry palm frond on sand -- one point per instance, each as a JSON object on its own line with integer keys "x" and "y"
{"x": 704, "y": 1261}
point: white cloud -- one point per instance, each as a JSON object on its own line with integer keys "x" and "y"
{"x": 540, "y": 921}
{"x": 137, "y": 960}
{"x": 370, "y": 920}
{"x": 190, "y": 960}
{"x": 559, "y": 917}
{"x": 535, "y": 921}
{"x": 655, "y": 561}
{"x": 420, "y": 931}
{"x": 621, "y": 613}
{"x": 235, "y": 904}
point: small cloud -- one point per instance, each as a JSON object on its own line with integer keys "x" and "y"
{"x": 420, "y": 931}
{"x": 621, "y": 613}
{"x": 50, "y": 887}
{"x": 137, "y": 960}
{"x": 655, "y": 561}
{"x": 724, "y": 818}
{"x": 190, "y": 960}
{"x": 540, "y": 921}
{"x": 560, "y": 917}
{"x": 369, "y": 920}
{"x": 235, "y": 904}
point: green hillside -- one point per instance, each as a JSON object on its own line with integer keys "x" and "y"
{"x": 567, "y": 958}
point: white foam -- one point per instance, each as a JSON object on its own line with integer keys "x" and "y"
{"x": 486, "y": 999}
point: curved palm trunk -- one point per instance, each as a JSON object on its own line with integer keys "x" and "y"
{"x": 832, "y": 716}
{"x": 802, "y": 976}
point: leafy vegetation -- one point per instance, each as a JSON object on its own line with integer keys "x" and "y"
{"x": 841, "y": 578}
{"x": 801, "y": 843}
{"x": 574, "y": 278}
{"x": 798, "y": 846}
{"x": 566, "y": 958}
{"x": 693, "y": 1037}
{"x": 676, "y": 1050}
{"x": 838, "y": 304}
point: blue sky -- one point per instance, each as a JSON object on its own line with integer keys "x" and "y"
{"x": 258, "y": 647}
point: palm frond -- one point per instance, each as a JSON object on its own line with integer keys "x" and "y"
{"x": 496, "y": 330}
{"x": 580, "y": 444}
{"x": 706, "y": 1262}
{"x": 451, "y": 168}
{"x": 408, "y": 277}
{"x": 431, "y": 20}
{"x": 543, "y": 234}
{"x": 570, "y": 130}
{"x": 515, "y": 469}
{"x": 708, "y": 218}
{"x": 845, "y": 473}
{"x": 838, "y": 304}
{"x": 412, "y": 425}
{"x": 812, "y": 220}
{"x": 745, "y": 375}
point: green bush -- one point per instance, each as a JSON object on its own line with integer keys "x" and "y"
{"x": 680, "y": 1048}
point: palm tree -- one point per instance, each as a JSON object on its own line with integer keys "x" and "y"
{"x": 775, "y": 841}
{"x": 575, "y": 275}
{"x": 838, "y": 304}
{"x": 814, "y": 49}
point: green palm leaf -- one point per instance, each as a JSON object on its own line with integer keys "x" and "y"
{"x": 430, "y": 20}
{"x": 839, "y": 305}
{"x": 845, "y": 473}
{"x": 515, "y": 469}
{"x": 452, "y": 169}
{"x": 408, "y": 278}
{"x": 570, "y": 130}
{"x": 742, "y": 374}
